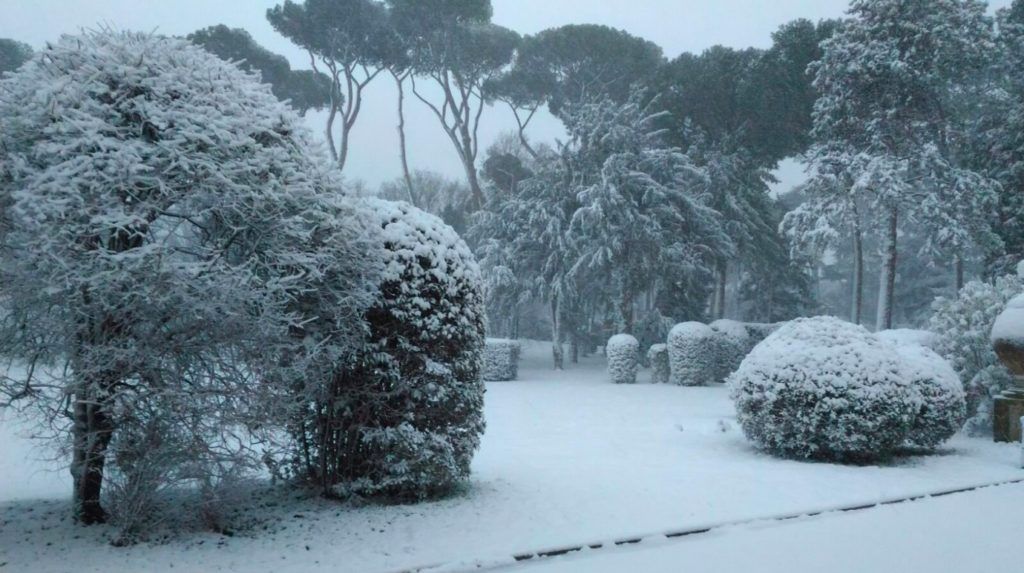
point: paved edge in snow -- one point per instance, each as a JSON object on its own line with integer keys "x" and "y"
{"x": 543, "y": 554}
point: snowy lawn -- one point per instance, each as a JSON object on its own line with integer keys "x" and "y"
{"x": 974, "y": 532}
{"x": 567, "y": 458}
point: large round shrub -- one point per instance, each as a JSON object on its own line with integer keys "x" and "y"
{"x": 821, "y": 388}
{"x": 942, "y": 402}
{"x": 623, "y": 352}
{"x": 411, "y": 409}
{"x": 691, "y": 354}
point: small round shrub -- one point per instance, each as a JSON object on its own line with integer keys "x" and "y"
{"x": 732, "y": 343}
{"x": 657, "y": 357}
{"x": 691, "y": 354}
{"x": 943, "y": 405}
{"x": 410, "y": 410}
{"x": 501, "y": 360}
{"x": 824, "y": 389}
{"x": 623, "y": 352}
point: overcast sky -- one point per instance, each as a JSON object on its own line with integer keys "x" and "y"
{"x": 676, "y": 25}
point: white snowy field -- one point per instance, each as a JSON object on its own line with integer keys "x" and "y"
{"x": 568, "y": 458}
{"x": 973, "y": 532}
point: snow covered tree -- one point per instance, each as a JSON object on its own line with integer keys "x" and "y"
{"x": 993, "y": 141}
{"x": 303, "y": 89}
{"x": 459, "y": 51}
{"x": 353, "y": 41}
{"x": 13, "y": 54}
{"x": 647, "y": 210}
{"x": 884, "y": 114}
{"x": 964, "y": 325}
{"x": 572, "y": 65}
{"x": 161, "y": 215}
{"x": 403, "y": 418}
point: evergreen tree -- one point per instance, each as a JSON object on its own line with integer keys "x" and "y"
{"x": 887, "y": 81}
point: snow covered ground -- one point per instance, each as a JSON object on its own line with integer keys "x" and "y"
{"x": 568, "y": 458}
{"x": 975, "y": 532}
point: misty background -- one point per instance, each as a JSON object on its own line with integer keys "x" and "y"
{"x": 677, "y": 26}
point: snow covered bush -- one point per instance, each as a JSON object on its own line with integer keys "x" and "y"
{"x": 732, "y": 343}
{"x": 161, "y": 213}
{"x": 623, "y": 352}
{"x": 821, "y": 388}
{"x": 905, "y": 336}
{"x": 942, "y": 404}
{"x": 692, "y": 354}
{"x": 758, "y": 331}
{"x": 964, "y": 326}
{"x": 404, "y": 419}
{"x": 651, "y": 328}
{"x": 501, "y": 360}
{"x": 657, "y": 357}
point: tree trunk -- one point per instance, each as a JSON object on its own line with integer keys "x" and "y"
{"x": 959, "y": 269}
{"x": 720, "y": 290}
{"x": 626, "y": 311}
{"x": 399, "y": 81}
{"x": 476, "y": 193}
{"x": 857, "y": 302}
{"x": 888, "y": 281}
{"x": 91, "y": 431}
{"x": 574, "y": 347}
{"x": 556, "y": 334}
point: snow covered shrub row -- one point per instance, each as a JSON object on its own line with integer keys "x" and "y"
{"x": 501, "y": 360}
{"x": 822, "y": 388}
{"x": 692, "y": 354}
{"x": 732, "y": 343}
{"x": 623, "y": 352}
{"x": 657, "y": 357}
{"x": 407, "y": 415}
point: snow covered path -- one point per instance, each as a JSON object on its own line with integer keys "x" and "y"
{"x": 568, "y": 458}
{"x": 973, "y": 532}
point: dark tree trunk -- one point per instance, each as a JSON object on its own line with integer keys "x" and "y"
{"x": 92, "y": 431}
{"x": 476, "y": 193}
{"x": 720, "y": 290}
{"x": 556, "y": 334}
{"x": 626, "y": 311}
{"x": 400, "y": 83}
{"x": 888, "y": 281}
{"x": 857, "y": 302}
{"x": 959, "y": 270}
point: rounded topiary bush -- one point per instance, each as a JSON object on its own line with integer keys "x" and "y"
{"x": 623, "y": 352}
{"x": 821, "y": 388}
{"x": 411, "y": 407}
{"x": 732, "y": 343}
{"x": 691, "y": 354}
{"x": 501, "y": 360}
{"x": 942, "y": 401}
{"x": 657, "y": 357}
